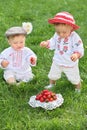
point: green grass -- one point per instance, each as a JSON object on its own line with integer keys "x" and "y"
{"x": 15, "y": 113}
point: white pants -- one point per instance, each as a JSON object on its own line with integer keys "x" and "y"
{"x": 71, "y": 73}
{"x": 17, "y": 76}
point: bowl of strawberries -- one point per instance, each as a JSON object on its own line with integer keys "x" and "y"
{"x": 46, "y": 99}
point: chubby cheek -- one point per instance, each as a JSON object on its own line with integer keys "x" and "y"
{"x": 23, "y": 44}
{"x": 67, "y": 34}
{"x": 56, "y": 29}
{"x": 15, "y": 46}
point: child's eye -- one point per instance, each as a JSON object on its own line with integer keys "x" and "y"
{"x": 15, "y": 42}
{"x": 58, "y": 32}
{"x": 64, "y": 32}
{"x": 21, "y": 42}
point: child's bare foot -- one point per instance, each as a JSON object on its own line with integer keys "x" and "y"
{"x": 52, "y": 83}
{"x": 78, "y": 88}
{"x": 49, "y": 86}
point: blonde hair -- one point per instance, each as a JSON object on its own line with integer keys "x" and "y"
{"x": 64, "y": 24}
{"x": 12, "y": 36}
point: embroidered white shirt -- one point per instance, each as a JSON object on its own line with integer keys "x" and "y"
{"x": 19, "y": 61}
{"x": 65, "y": 47}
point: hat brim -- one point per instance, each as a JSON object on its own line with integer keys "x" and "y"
{"x": 15, "y": 31}
{"x": 54, "y": 21}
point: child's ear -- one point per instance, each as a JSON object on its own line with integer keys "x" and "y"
{"x": 71, "y": 28}
{"x": 9, "y": 42}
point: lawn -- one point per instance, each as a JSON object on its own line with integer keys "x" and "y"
{"x": 15, "y": 113}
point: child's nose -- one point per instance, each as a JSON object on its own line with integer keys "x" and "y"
{"x": 19, "y": 44}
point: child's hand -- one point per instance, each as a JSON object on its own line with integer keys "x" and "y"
{"x": 44, "y": 44}
{"x": 33, "y": 60}
{"x": 75, "y": 56}
{"x": 4, "y": 63}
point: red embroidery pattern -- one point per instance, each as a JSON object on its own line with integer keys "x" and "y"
{"x": 61, "y": 52}
{"x": 58, "y": 47}
{"x": 65, "y": 48}
{"x": 65, "y": 40}
{"x": 79, "y": 41}
{"x": 59, "y": 39}
{"x": 17, "y": 59}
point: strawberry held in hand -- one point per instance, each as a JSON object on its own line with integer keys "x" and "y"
{"x": 33, "y": 60}
{"x": 46, "y": 96}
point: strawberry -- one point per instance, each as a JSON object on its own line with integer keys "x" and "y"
{"x": 44, "y": 97}
{"x": 49, "y": 96}
{"x": 53, "y": 94}
{"x": 54, "y": 97}
{"x": 41, "y": 99}
{"x": 45, "y": 90}
{"x": 47, "y": 100}
{"x": 51, "y": 99}
{"x": 46, "y": 93}
{"x": 37, "y": 98}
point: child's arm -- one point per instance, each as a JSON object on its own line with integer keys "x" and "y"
{"x": 75, "y": 56}
{"x": 50, "y": 44}
{"x": 3, "y": 60}
{"x": 31, "y": 57}
{"x": 78, "y": 49}
{"x": 44, "y": 44}
{"x": 4, "y": 63}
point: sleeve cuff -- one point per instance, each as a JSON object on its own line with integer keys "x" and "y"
{"x": 48, "y": 45}
{"x": 78, "y": 53}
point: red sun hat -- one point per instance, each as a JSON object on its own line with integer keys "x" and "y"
{"x": 64, "y": 17}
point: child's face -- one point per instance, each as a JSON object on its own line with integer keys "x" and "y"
{"x": 63, "y": 30}
{"x": 17, "y": 42}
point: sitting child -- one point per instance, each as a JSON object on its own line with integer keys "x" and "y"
{"x": 68, "y": 48}
{"x": 17, "y": 59}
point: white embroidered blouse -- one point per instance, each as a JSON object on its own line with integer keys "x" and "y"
{"x": 64, "y": 48}
{"x": 19, "y": 61}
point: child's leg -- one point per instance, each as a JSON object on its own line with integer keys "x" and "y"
{"x": 73, "y": 76}
{"x": 52, "y": 83}
{"x": 26, "y": 77}
{"x": 11, "y": 80}
{"x": 78, "y": 87}
{"x": 9, "y": 77}
{"x": 54, "y": 74}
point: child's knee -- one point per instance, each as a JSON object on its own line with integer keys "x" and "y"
{"x": 11, "y": 80}
{"x": 54, "y": 76}
{"x": 75, "y": 81}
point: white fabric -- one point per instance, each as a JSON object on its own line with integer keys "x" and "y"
{"x": 19, "y": 61}
{"x": 67, "y": 15}
{"x": 48, "y": 106}
{"x": 49, "y": 86}
{"x": 28, "y": 76}
{"x": 64, "y": 48}
{"x": 71, "y": 73}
